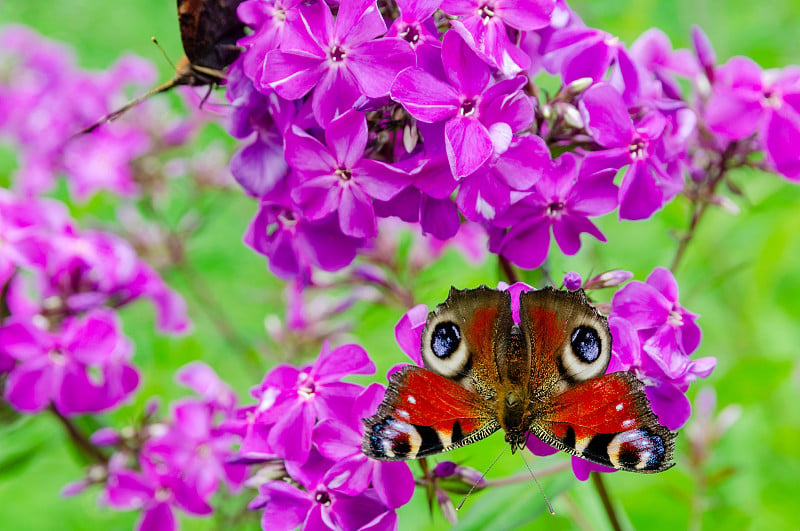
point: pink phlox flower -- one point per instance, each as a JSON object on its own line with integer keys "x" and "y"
{"x": 476, "y": 114}
{"x": 337, "y": 178}
{"x": 485, "y": 26}
{"x": 562, "y": 201}
{"x": 85, "y": 367}
{"x": 291, "y": 399}
{"x": 341, "y": 59}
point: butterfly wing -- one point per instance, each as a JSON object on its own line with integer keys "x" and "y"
{"x": 424, "y": 413}
{"x": 209, "y": 31}
{"x": 607, "y": 420}
{"x": 465, "y": 335}
{"x": 570, "y": 341}
{"x": 604, "y": 418}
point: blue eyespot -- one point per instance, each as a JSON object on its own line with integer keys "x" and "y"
{"x": 585, "y": 344}
{"x": 445, "y": 339}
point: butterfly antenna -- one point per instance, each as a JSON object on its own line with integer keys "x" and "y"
{"x": 164, "y": 53}
{"x": 496, "y": 459}
{"x": 535, "y": 479}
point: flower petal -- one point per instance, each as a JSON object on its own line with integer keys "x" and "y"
{"x": 375, "y": 64}
{"x": 468, "y": 145}
{"x": 425, "y": 97}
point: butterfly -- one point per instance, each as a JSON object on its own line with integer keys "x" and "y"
{"x": 545, "y": 376}
{"x": 209, "y": 31}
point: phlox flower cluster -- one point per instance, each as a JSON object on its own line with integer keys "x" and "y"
{"x": 429, "y": 111}
{"x": 310, "y": 420}
{"x": 61, "y": 343}
{"x": 176, "y": 464}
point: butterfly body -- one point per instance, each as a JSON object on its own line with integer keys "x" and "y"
{"x": 544, "y": 375}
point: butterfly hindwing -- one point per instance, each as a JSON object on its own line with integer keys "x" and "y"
{"x": 607, "y": 420}
{"x": 423, "y": 414}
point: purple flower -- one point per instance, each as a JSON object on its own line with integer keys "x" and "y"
{"x": 293, "y": 243}
{"x": 315, "y": 505}
{"x": 653, "y": 309}
{"x": 339, "y": 58}
{"x": 416, "y": 26}
{"x": 291, "y": 401}
{"x": 572, "y": 281}
{"x": 516, "y": 166}
{"x": 563, "y": 199}
{"x": 647, "y": 184}
{"x": 102, "y": 161}
{"x": 84, "y": 368}
{"x": 653, "y": 338}
{"x": 197, "y": 448}
{"x": 745, "y": 101}
{"x": 338, "y": 179}
{"x": 202, "y": 379}
{"x": 156, "y": 491}
{"x": 485, "y": 27}
{"x": 466, "y": 103}
{"x": 340, "y": 438}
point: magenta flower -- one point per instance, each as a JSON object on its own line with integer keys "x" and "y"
{"x": 102, "y": 161}
{"x": 195, "y": 446}
{"x": 653, "y": 310}
{"x": 473, "y": 111}
{"x": 291, "y": 401}
{"x": 340, "y": 438}
{"x": 486, "y": 194}
{"x": 315, "y": 505}
{"x": 338, "y": 179}
{"x": 485, "y": 27}
{"x": 156, "y": 491}
{"x": 339, "y": 58}
{"x": 416, "y": 26}
{"x": 647, "y": 184}
{"x": 84, "y": 368}
{"x": 745, "y": 101}
{"x": 293, "y": 243}
{"x": 562, "y": 200}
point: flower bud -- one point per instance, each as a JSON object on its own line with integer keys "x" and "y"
{"x": 608, "y": 279}
{"x": 572, "y": 281}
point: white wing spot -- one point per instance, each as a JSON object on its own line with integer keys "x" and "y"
{"x": 412, "y": 400}
{"x": 627, "y": 423}
{"x": 619, "y": 407}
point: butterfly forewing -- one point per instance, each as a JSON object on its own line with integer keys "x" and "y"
{"x": 570, "y": 341}
{"x": 466, "y": 337}
{"x": 209, "y": 31}
{"x": 607, "y": 420}
{"x": 423, "y": 414}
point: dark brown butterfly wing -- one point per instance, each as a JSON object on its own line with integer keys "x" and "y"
{"x": 209, "y": 31}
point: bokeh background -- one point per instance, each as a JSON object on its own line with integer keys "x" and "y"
{"x": 741, "y": 274}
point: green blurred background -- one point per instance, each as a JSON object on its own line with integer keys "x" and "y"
{"x": 740, "y": 274}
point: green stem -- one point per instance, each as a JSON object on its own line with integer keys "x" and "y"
{"x": 79, "y": 439}
{"x": 600, "y": 486}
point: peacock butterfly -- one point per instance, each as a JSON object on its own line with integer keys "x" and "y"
{"x": 209, "y": 31}
{"x": 545, "y": 375}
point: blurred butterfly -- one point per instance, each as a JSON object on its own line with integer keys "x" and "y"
{"x": 545, "y": 376}
{"x": 209, "y": 31}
